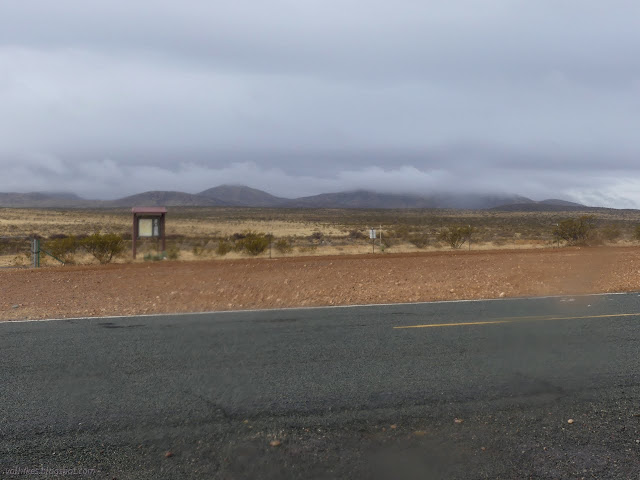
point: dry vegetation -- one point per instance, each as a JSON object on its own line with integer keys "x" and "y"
{"x": 201, "y": 233}
{"x": 512, "y": 255}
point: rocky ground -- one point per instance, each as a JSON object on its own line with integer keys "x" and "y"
{"x": 173, "y": 286}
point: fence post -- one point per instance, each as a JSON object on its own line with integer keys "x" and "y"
{"x": 35, "y": 252}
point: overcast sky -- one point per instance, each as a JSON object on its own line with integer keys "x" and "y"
{"x": 298, "y": 97}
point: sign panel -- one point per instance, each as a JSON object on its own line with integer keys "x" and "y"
{"x": 145, "y": 227}
{"x": 372, "y": 233}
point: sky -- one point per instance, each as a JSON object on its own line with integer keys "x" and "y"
{"x": 299, "y": 97}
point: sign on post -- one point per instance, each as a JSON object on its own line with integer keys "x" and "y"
{"x": 372, "y": 233}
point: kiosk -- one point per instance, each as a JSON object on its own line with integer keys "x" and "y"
{"x": 148, "y": 222}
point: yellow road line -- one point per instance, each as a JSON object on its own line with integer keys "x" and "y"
{"x": 517, "y": 319}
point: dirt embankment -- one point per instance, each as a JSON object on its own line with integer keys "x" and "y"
{"x": 167, "y": 287}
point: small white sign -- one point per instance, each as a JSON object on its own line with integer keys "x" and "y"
{"x": 148, "y": 227}
{"x": 145, "y": 227}
{"x": 372, "y": 233}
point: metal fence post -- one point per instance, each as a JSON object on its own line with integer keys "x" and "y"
{"x": 35, "y": 252}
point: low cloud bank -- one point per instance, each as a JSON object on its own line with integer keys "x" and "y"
{"x": 108, "y": 179}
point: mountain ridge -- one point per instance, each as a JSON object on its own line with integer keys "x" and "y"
{"x": 243, "y": 196}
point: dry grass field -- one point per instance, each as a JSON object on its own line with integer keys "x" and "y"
{"x": 195, "y": 233}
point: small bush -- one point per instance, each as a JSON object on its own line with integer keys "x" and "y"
{"x": 316, "y": 236}
{"x": 575, "y": 231}
{"x": 456, "y": 236}
{"x": 199, "y": 248}
{"x": 253, "y": 243}
{"x": 63, "y": 248}
{"x": 356, "y": 235}
{"x": 419, "y": 240}
{"x": 283, "y": 246}
{"x": 224, "y": 247}
{"x": 173, "y": 253}
{"x": 404, "y": 233}
{"x": 103, "y": 247}
{"x": 610, "y": 233}
{"x": 636, "y": 233}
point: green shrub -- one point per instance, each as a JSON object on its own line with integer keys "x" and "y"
{"x": 253, "y": 243}
{"x": 62, "y": 248}
{"x": 283, "y": 246}
{"x": 404, "y": 233}
{"x": 575, "y": 231}
{"x": 173, "y": 253}
{"x": 103, "y": 247}
{"x": 153, "y": 257}
{"x": 456, "y": 236}
{"x": 420, "y": 240}
{"x": 224, "y": 247}
{"x": 610, "y": 233}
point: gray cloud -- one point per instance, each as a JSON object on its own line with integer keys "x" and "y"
{"x": 111, "y": 98}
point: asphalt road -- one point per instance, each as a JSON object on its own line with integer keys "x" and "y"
{"x": 480, "y": 389}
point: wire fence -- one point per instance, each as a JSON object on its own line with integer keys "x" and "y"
{"x": 25, "y": 252}
{"x": 22, "y": 251}
{"x": 15, "y": 252}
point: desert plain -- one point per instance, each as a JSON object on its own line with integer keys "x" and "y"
{"x": 330, "y": 261}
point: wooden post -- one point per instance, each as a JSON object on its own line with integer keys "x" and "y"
{"x": 35, "y": 251}
{"x": 161, "y": 231}
{"x": 134, "y": 234}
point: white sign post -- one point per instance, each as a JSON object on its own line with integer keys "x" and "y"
{"x": 372, "y": 236}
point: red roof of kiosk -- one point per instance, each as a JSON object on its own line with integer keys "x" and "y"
{"x": 149, "y": 210}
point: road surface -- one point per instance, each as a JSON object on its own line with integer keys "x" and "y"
{"x": 514, "y": 388}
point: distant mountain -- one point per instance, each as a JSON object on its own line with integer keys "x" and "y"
{"x": 476, "y": 201}
{"x": 243, "y": 196}
{"x": 560, "y": 203}
{"x": 368, "y": 199}
{"x": 550, "y": 205}
{"x": 43, "y": 200}
{"x": 358, "y": 199}
{"x": 59, "y": 195}
{"x": 166, "y": 199}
